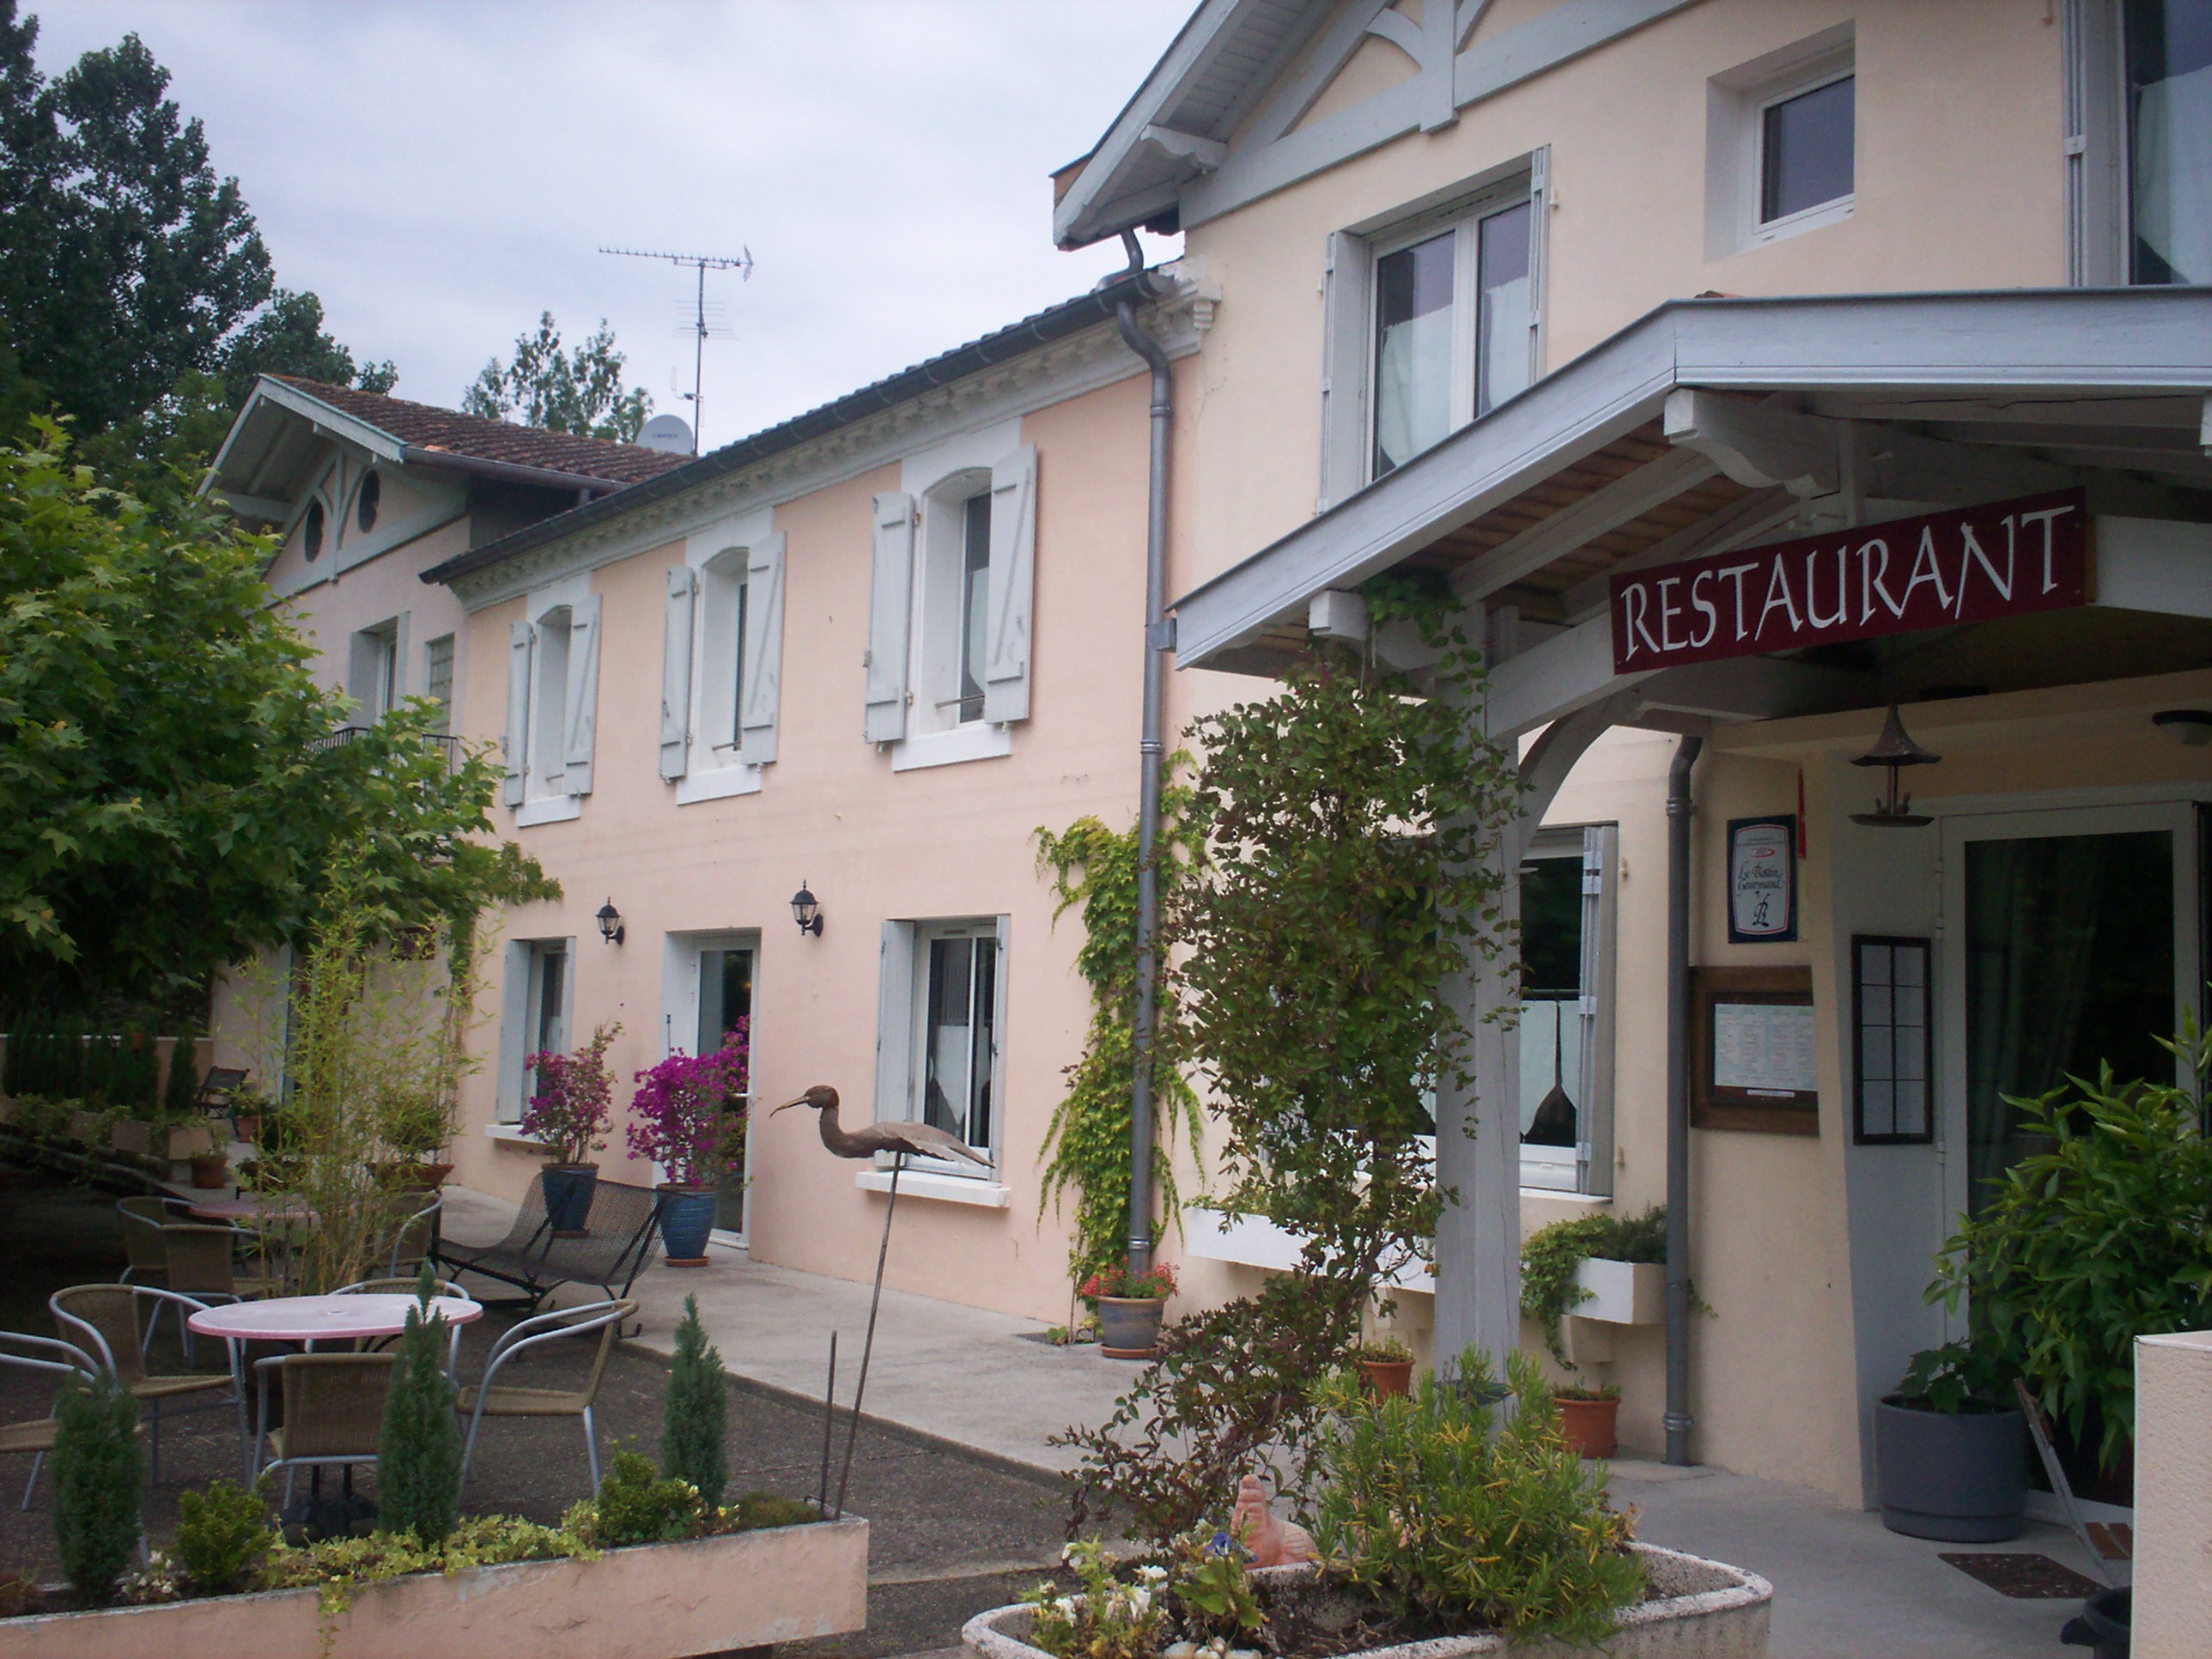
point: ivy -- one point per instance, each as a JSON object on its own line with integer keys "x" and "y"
{"x": 1551, "y": 1255}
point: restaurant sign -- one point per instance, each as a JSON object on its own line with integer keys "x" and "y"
{"x": 1971, "y": 565}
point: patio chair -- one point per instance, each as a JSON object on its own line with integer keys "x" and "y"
{"x": 333, "y": 1412}
{"x": 143, "y": 1221}
{"x": 217, "y": 1087}
{"x": 203, "y": 1264}
{"x": 485, "y": 1400}
{"x": 406, "y": 1286}
{"x": 417, "y": 1238}
{"x": 36, "y": 1434}
{"x": 103, "y": 1320}
{"x": 617, "y": 1246}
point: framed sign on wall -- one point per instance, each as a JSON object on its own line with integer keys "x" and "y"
{"x": 1892, "y": 1044}
{"x": 1752, "y": 1051}
{"x": 1762, "y": 880}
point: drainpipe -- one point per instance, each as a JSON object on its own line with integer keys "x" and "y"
{"x": 1151, "y": 756}
{"x": 1680, "y": 806}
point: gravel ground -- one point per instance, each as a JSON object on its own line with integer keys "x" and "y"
{"x": 950, "y": 1533}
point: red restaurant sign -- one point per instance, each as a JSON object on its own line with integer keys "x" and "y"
{"x": 1967, "y": 566}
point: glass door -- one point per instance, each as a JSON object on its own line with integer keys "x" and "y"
{"x": 725, "y": 997}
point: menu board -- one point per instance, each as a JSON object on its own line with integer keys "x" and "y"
{"x": 1764, "y": 1048}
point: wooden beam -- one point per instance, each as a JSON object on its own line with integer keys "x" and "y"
{"x": 1759, "y": 446}
{"x": 1330, "y": 53}
{"x": 1206, "y": 154}
{"x": 1606, "y": 508}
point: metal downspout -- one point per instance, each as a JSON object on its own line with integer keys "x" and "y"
{"x": 1151, "y": 753}
{"x": 1679, "y": 807}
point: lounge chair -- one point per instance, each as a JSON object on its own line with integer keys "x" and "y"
{"x": 617, "y": 1246}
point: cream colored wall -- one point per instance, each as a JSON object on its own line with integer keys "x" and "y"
{"x": 949, "y": 842}
{"x": 2172, "y": 1608}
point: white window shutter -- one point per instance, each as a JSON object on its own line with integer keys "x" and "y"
{"x": 676, "y": 673}
{"x": 890, "y": 610}
{"x": 895, "y": 1024}
{"x": 764, "y": 652}
{"x": 1012, "y": 586}
{"x": 513, "y": 1025}
{"x": 518, "y": 636}
{"x": 583, "y": 694}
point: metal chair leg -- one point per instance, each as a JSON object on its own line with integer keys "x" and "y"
{"x": 591, "y": 1451}
{"x": 290, "y": 1470}
{"x": 38, "y": 1462}
{"x": 469, "y": 1446}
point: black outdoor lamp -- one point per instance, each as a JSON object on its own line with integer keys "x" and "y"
{"x": 611, "y": 924}
{"x": 1896, "y": 752}
{"x": 2193, "y": 727}
{"x": 806, "y": 911}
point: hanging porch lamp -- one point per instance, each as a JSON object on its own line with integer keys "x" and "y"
{"x": 1896, "y": 752}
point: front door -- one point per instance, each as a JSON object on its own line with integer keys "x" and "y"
{"x": 2071, "y": 941}
{"x": 725, "y": 996}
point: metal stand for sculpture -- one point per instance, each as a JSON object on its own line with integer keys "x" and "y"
{"x": 901, "y": 1140}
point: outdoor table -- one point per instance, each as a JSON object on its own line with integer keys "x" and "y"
{"x": 250, "y": 1209}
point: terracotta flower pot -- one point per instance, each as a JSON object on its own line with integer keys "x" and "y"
{"x": 1388, "y": 1376}
{"x": 1129, "y": 1326}
{"x": 1587, "y": 1426}
{"x": 211, "y": 1171}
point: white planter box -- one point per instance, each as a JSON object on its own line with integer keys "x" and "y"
{"x": 653, "y": 1601}
{"x": 1727, "y": 1621}
{"x": 1622, "y": 1292}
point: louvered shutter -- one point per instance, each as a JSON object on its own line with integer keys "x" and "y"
{"x": 583, "y": 694}
{"x": 895, "y": 1024}
{"x": 890, "y": 609}
{"x": 676, "y": 673}
{"x": 1012, "y": 587}
{"x": 764, "y": 652}
{"x": 519, "y": 636}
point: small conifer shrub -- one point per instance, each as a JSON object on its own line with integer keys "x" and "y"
{"x": 418, "y": 1454}
{"x": 96, "y": 1484}
{"x": 692, "y": 1417}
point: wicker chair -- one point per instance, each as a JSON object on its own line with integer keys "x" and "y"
{"x": 143, "y": 1221}
{"x": 485, "y": 1400}
{"x": 36, "y": 1434}
{"x": 617, "y": 1246}
{"x": 333, "y": 1411}
{"x": 406, "y": 1287}
{"x": 203, "y": 1264}
{"x": 418, "y": 1239}
{"x": 103, "y": 1320}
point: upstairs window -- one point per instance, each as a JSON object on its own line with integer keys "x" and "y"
{"x": 1781, "y": 143}
{"x": 1805, "y": 150}
{"x": 373, "y": 678}
{"x": 2168, "y": 53}
{"x": 552, "y": 702}
{"x": 438, "y": 678}
{"x": 721, "y": 661}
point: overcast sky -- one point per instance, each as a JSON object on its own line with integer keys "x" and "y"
{"x": 440, "y": 173}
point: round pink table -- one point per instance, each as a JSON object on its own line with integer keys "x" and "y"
{"x": 312, "y": 1319}
{"x": 249, "y": 1209}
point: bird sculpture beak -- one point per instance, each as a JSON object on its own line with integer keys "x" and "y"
{"x": 788, "y": 1104}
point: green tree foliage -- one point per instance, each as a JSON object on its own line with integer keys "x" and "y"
{"x": 173, "y": 799}
{"x": 562, "y": 390}
{"x": 692, "y": 1416}
{"x": 1086, "y": 1145}
{"x": 181, "y": 1089}
{"x": 418, "y": 1454}
{"x": 96, "y": 1484}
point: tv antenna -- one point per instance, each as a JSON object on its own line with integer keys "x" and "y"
{"x": 702, "y": 262}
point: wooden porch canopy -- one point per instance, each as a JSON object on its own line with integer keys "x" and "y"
{"x": 1711, "y": 425}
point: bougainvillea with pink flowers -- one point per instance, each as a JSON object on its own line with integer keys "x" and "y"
{"x": 688, "y": 1114}
{"x": 573, "y": 1107}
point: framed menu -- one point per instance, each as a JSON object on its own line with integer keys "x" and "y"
{"x": 1754, "y": 1057}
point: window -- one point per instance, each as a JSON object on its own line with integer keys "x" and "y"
{"x": 552, "y": 702}
{"x": 438, "y": 678}
{"x": 1431, "y": 320}
{"x": 726, "y": 997}
{"x": 949, "y": 609}
{"x": 367, "y": 501}
{"x": 2168, "y": 57}
{"x": 373, "y": 678}
{"x": 1567, "y": 1012}
{"x": 940, "y": 1028}
{"x": 1781, "y": 135}
{"x": 721, "y": 655}
{"x": 537, "y": 999}
{"x": 1805, "y": 150}
{"x": 311, "y": 533}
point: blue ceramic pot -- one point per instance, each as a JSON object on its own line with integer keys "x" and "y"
{"x": 569, "y": 1196}
{"x": 687, "y": 1216}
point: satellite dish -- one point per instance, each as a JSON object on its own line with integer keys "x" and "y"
{"x": 670, "y": 433}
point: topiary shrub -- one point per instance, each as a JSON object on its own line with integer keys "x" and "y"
{"x": 221, "y": 1532}
{"x": 418, "y": 1453}
{"x": 96, "y": 1484}
{"x": 180, "y": 1094}
{"x": 693, "y": 1415}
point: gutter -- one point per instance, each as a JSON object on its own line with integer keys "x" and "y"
{"x": 1680, "y": 805}
{"x": 1060, "y": 322}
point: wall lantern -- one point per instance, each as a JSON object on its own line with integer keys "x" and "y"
{"x": 1896, "y": 752}
{"x": 806, "y": 911}
{"x": 611, "y": 924}
{"x": 2191, "y": 726}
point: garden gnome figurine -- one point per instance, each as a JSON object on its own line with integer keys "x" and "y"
{"x": 1274, "y": 1543}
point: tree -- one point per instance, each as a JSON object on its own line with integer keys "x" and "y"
{"x": 418, "y": 1450}
{"x": 173, "y": 799}
{"x": 562, "y": 390}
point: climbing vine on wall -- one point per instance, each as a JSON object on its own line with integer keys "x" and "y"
{"x": 1086, "y": 1145}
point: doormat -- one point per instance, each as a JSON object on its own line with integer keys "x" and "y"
{"x": 2024, "y": 1578}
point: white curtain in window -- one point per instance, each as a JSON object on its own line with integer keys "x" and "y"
{"x": 1412, "y": 386}
{"x": 1504, "y": 342}
{"x": 2172, "y": 154}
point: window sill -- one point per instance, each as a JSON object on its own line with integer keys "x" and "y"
{"x": 977, "y": 740}
{"x": 548, "y": 809}
{"x": 515, "y": 1135}
{"x": 719, "y": 784}
{"x": 949, "y": 1189}
{"x": 1811, "y": 218}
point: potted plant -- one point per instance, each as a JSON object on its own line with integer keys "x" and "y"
{"x": 1951, "y": 1450}
{"x": 1587, "y": 1417}
{"x": 569, "y": 1115}
{"x": 211, "y": 1170}
{"x": 1388, "y": 1364}
{"x": 1615, "y": 1262}
{"x": 1129, "y": 1305}
{"x": 689, "y": 1118}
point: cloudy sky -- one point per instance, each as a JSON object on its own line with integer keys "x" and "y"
{"x": 440, "y": 173}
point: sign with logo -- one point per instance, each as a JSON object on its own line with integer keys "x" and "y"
{"x": 1762, "y": 880}
{"x": 1971, "y": 565}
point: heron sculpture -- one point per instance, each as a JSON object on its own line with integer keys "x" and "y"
{"x": 901, "y": 1140}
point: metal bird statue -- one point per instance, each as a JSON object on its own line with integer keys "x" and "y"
{"x": 902, "y": 1141}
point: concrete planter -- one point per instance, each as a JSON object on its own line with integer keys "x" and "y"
{"x": 1961, "y": 1477}
{"x": 88, "y": 1130}
{"x": 191, "y": 1141}
{"x": 1722, "y": 1614}
{"x": 1622, "y": 1292}
{"x": 654, "y": 1602}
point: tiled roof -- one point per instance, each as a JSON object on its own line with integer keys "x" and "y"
{"x": 427, "y": 427}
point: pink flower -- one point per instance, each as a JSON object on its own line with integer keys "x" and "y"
{"x": 689, "y": 1112}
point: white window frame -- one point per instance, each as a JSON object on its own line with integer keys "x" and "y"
{"x": 938, "y": 620}
{"x": 521, "y": 1007}
{"x": 1587, "y": 1168}
{"x": 431, "y": 652}
{"x": 681, "y": 955}
{"x": 375, "y": 679}
{"x": 1350, "y": 296}
{"x": 556, "y": 706}
{"x": 902, "y": 1031}
{"x": 1736, "y": 103}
